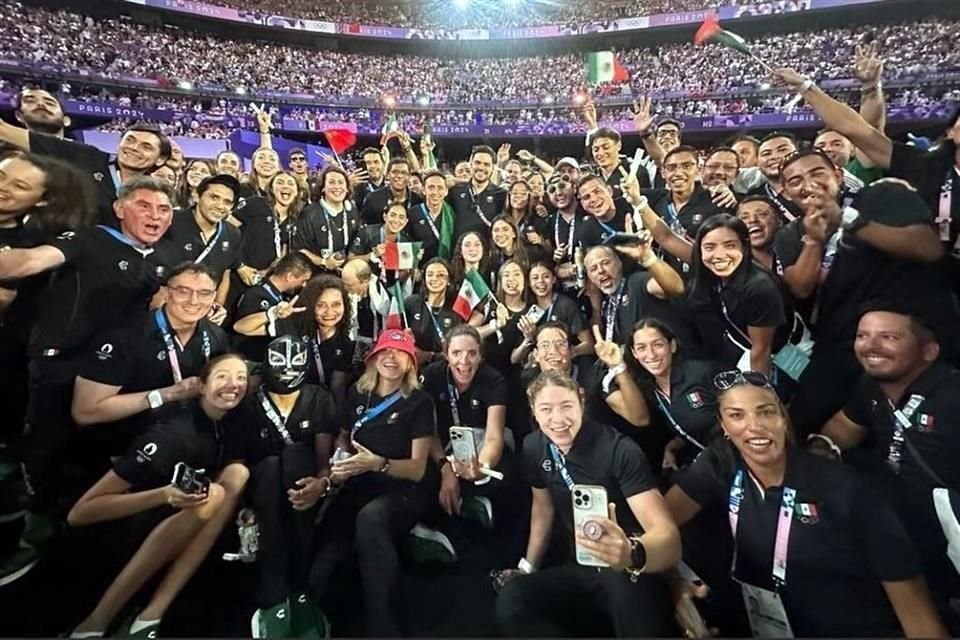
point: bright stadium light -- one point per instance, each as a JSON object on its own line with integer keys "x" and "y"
{"x": 241, "y": 90}
{"x": 548, "y": 99}
{"x": 461, "y": 4}
{"x": 389, "y": 100}
{"x": 186, "y": 86}
{"x": 423, "y": 101}
{"x": 579, "y": 98}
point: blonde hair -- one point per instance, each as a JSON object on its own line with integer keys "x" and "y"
{"x": 371, "y": 378}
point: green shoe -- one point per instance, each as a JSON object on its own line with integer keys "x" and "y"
{"x": 478, "y": 509}
{"x": 272, "y": 623}
{"x": 19, "y": 563}
{"x": 308, "y": 620}
{"x": 426, "y": 546}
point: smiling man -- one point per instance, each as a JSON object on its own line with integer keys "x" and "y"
{"x": 477, "y": 202}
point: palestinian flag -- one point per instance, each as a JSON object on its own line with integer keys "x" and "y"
{"x": 472, "y": 292}
{"x": 711, "y": 31}
{"x": 389, "y": 130}
{"x": 401, "y": 255}
{"x": 603, "y": 66}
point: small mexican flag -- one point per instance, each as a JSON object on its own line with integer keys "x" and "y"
{"x": 807, "y": 509}
{"x": 472, "y": 292}
{"x": 711, "y": 31}
{"x": 395, "y": 314}
{"x": 603, "y": 66}
{"x": 401, "y": 255}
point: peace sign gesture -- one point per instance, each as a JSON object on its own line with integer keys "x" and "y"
{"x": 286, "y": 309}
{"x": 264, "y": 121}
{"x": 608, "y": 352}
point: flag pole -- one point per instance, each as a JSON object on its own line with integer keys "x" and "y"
{"x": 763, "y": 64}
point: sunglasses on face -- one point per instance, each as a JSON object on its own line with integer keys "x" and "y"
{"x": 559, "y": 183}
{"x": 734, "y": 378}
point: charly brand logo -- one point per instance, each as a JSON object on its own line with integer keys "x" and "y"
{"x": 547, "y": 465}
{"x": 123, "y": 264}
{"x": 188, "y": 246}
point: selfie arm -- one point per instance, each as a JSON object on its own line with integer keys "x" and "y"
{"x": 661, "y": 538}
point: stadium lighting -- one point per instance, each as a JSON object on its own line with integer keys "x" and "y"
{"x": 423, "y": 101}
{"x": 389, "y": 100}
{"x": 241, "y": 90}
{"x": 513, "y": 3}
{"x": 579, "y": 98}
{"x": 548, "y": 99}
{"x": 186, "y": 86}
{"x": 461, "y": 4}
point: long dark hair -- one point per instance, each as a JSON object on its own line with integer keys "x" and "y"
{"x": 306, "y": 322}
{"x": 704, "y": 280}
{"x": 660, "y": 327}
{"x": 448, "y": 295}
{"x": 185, "y": 191}
{"x": 71, "y": 202}
{"x": 519, "y": 250}
{"x": 459, "y": 267}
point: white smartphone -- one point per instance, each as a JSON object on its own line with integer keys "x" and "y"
{"x": 464, "y": 444}
{"x": 589, "y": 504}
{"x": 535, "y": 313}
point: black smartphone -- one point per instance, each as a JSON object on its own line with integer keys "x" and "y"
{"x": 190, "y": 480}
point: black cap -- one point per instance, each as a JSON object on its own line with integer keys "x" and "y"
{"x": 892, "y": 202}
{"x": 221, "y": 178}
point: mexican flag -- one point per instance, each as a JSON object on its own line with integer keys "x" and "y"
{"x": 711, "y": 31}
{"x": 401, "y": 255}
{"x": 602, "y": 66}
{"x": 472, "y": 292}
{"x": 395, "y": 315}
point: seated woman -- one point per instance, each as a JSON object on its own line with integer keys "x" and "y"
{"x": 634, "y": 544}
{"x": 136, "y": 501}
{"x": 815, "y": 551}
{"x": 430, "y": 313}
{"x": 680, "y": 391}
{"x": 380, "y": 467}
{"x": 284, "y": 434}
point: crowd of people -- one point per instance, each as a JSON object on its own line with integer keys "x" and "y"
{"x": 114, "y": 47}
{"x": 630, "y": 377}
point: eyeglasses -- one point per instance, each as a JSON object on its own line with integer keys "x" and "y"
{"x": 558, "y": 345}
{"x": 183, "y": 294}
{"x": 559, "y": 183}
{"x": 297, "y": 159}
{"x": 673, "y": 166}
{"x": 726, "y": 380}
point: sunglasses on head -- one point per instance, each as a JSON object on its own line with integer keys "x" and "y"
{"x": 734, "y": 378}
{"x": 558, "y": 183}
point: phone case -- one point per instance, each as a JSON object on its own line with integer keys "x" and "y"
{"x": 535, "y": 313}
{"x": 589, "y": 502}
{"x": 463, "y": 443}
{"x": 189, "y": 480}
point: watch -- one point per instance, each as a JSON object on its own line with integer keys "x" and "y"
{"x": 638, "y": 558}
{"x": 154, "y": 399}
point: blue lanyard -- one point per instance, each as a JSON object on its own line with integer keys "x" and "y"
{"x": 161, "y": 321}
{"x": 610, "y": 313}
{"x": 436, "y": 323}
{"x": 373, "y": 412}
{"x": 571, "y": 230}
{"x": 426, "y": 216}
{"x": 553, "y": 302}
{"x": 454, "y": 400}
{"x": 476, "y": 207}
{"x": 209, "y": 246}
{"x": 317, "y": 360}
{"x": 561, "y": 463}
{"x": 664, "y": 403}
{"x": 274, "y": 296}
{"x": 124, "y": 239}
{"x": 610, "y": 231}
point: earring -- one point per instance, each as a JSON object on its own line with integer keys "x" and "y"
{"x": 726, "y": 436}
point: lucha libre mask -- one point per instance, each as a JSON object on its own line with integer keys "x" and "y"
{"x": 286, "y": 365}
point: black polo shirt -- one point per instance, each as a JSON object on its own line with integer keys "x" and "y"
{"x": 427, "y": 331}
{"x": 496, "y": 349}
{"x": 391, "y": 433}
{"x": 488, "y": 389}
{"x": 620, "y": 173}
{"x": 249, "y": 435}
{"x": 599, "y": 456}
{"x": 16, "y": 319}
{"x": 785, "y": 208}
{"x": 88, "y": 159}
{"x": 369, "y": 236}
{"x": 375, "y": 204}
{"x": 183, "y": 242}
{"x": 265, "y": 237}
{"x": 698, "y": 209}
{"x": 844, "y": 541}
{"x": 420, "y": 230}
{"x": 563, "y": 309}
{"x": 787, "y": 247}
{"x": 319, "y": 232}
{"x": 491, "y": 202}
{"x": 256, "y": 299}
{"x": 559, "y": 230}
{"x": 630, "y": 306}
{"x": 692, "y": 404}
{"x": 103, "y": 283}
{"x": 595, "y": 231}
{"x": 326, "y": 357}
{"x": 191, "y": 437}
{"x": 362, "y": 190}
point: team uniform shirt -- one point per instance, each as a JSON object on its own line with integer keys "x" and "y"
{"x": 599, "y": 456}
{"x": 475, "y": 211}
{"x": 619, "y": 174}
{"x": 420, "y": 227}
{"x": 250, "y": 433}
{"x": 563, "y": 309}
{"x": 364, "y": 189}
{"x": 256, "y": 299}
{"x": 88, "y": 159}
{"x": 191, "y": 438}
{"x": 391, "y": 432}
{"x": 103, "y": 283}
{"x": 686, "y": 220}
{"x": 375, "y": 204}
{"x": 621, "y": 309}
{"x": 563, "y": 231}
{"x": 498, "y": 346}
{"x": 323, "y": 233}
{"x": 690, "y": 411}
{"x": 265, "y": 236}
{"x": 596, "y": 231}
{"x": 488, "y": 389}
{"x": 844, "y": 540}
{"x": 184, "y": 242}
{"x": 369, "y": 237}
{"x": 17, "y": 319}
{"x": 326, "y": 356}
{"x": 429, "y": 325}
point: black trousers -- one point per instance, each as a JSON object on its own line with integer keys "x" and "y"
{"x": 370, "y": 516}
{"x": 572, "y": 600}
{"x": 286, "y": 535}
{"x": 825, "y": 386}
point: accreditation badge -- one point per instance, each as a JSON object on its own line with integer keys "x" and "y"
{"x": 768, "y": 618}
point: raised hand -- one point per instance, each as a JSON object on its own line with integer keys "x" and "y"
{"x": 867, "y": 65}
{"x": 608, "y": 352}
{"x": 286, "y": 309}
{"x": 525, "y": 155}
{"x": 358, "y": 176}
{"x": 613, "y": 547}
{"x": 503, "y": 154}
{"x": 642, "y": 118}
{"x": 640, "y": 251}
{"x": 590, "y": 114}
{"x": 264, "y": 120}
{"x": 791, "y": 78}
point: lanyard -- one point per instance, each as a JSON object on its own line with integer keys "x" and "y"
{"x": 775, "y": 198}
{"x": 664, "y": 403}
{"x": 274, "y": 416}
{"x": 330, "y": 215}
{"x": 277, "y": 241}
{"x": 271, "y": 293}
{"x": 673, "y": 221}
{"x": 476, "y": 207}
{"x": 561, "y": 463}
{"x": 610, "y": 231}
{"x": 945, "y": 209}
{"x": 784, "y": 522}
{"x": 142, "y": 250}
{"x": 373, "y": 412}
{"x": 901, "y": 424}
{"x": 610, "y": 312}
{"x": 436, "y": 323}
{"x": 571, "y": 229}
{"x": 429, "y": 218}
{"x": 168, "y": 341}
{"x": 211, "y": 244}
{"x": 726, "y": 316}
{"x": 553, "y": 302}
{"x": 315, "y": 347}
{"x": 454, "y": 400}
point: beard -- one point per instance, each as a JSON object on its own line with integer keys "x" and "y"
{"x": 50, "y": 127}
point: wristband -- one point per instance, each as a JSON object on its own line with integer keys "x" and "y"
{"x": 806, "y": 86}
{"x": 649, "y": 260}
{"x": 155, "y": 399}
{"x": 272, "y": 314}
{"x": 617, "y": 370}
{"x": 830, "y": 443}
{"x": 386, "y": 466}
{"x": 525, "y": 566}
{"x": 638, "y": 558}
